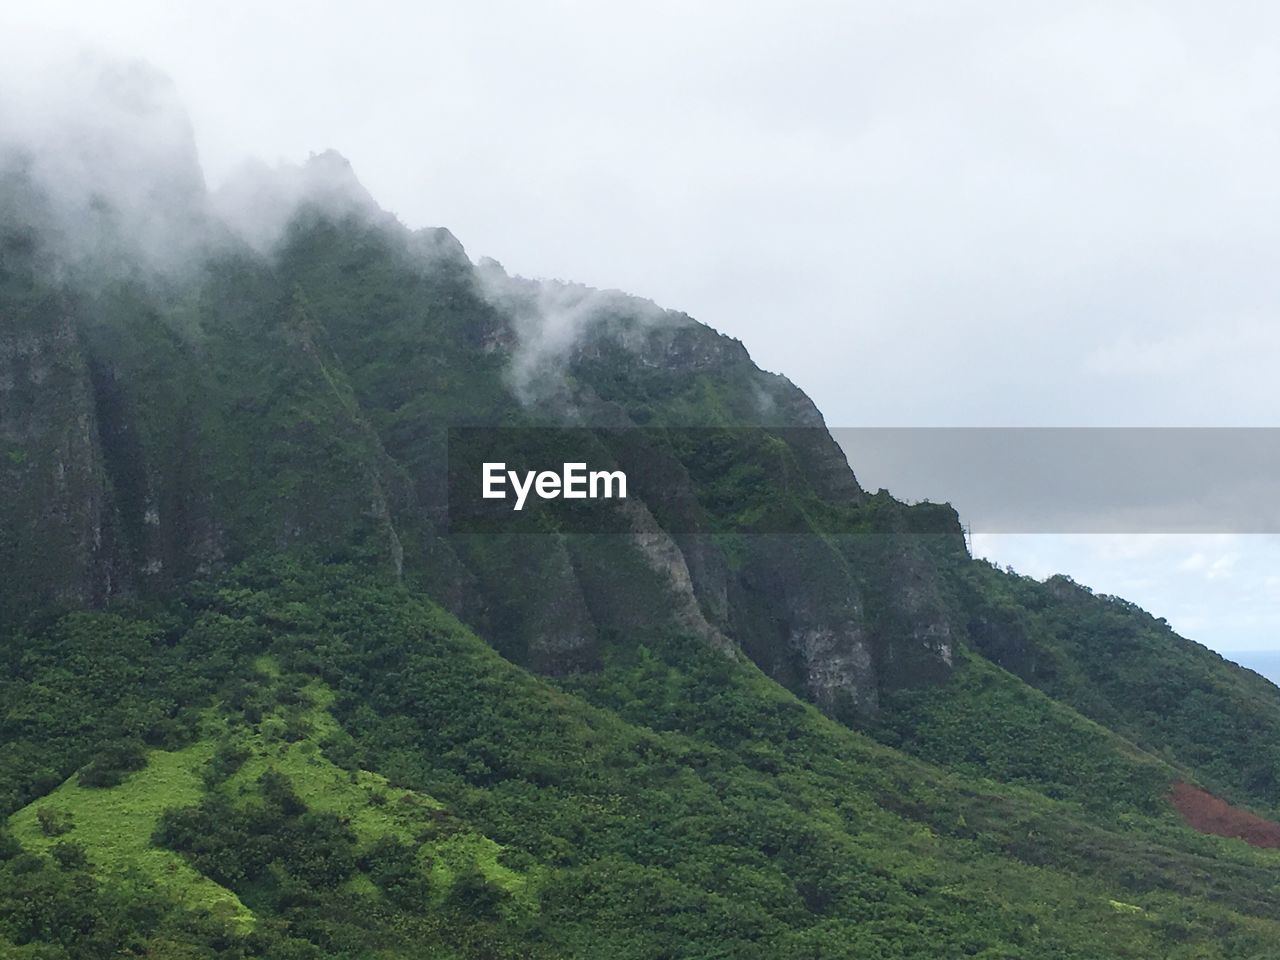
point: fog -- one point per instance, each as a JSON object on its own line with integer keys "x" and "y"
{"x": 257, "y": 201}
{"x": 110, "y": 154}
{"x": 109, "y": 173}
{"x": 549, "y": 318}
{"x": 99, "y": 153}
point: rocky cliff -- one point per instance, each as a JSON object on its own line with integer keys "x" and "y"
{"x": 300, "y": 398}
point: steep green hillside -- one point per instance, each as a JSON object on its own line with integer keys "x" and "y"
{"x": 674, "y": 803}
{"x": 1127, "y": 670}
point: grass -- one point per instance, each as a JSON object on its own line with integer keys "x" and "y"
{"x": 114, "y": 826}
{"x": 366, "y": 801}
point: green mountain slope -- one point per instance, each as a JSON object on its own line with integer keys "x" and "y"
{"x": 706, "y": 812}
{"x": 260, "y": 698}
{"x": 1126, "y": 669}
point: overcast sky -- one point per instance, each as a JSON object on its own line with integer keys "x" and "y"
{"x": 943, "y": 214}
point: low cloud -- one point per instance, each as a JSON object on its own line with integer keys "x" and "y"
{"x": 257, "y": 202}
{"x": 99, "y": 155}
{"x": 551, "y": 318}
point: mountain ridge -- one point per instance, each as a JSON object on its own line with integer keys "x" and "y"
{"x": 226, "y": 566}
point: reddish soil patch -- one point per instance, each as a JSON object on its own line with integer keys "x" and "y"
{"x": 1206, "y": 813}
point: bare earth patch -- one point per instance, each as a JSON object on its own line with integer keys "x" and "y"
{"x": 1208, "y": 814}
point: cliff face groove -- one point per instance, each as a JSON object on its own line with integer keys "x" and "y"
{"x": 58, "y": 539}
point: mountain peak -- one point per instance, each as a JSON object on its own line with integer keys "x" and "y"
{"x": 259, "y": 201}
{"x": 108, "y": 153}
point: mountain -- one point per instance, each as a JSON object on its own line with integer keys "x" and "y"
{"x": 266, "y": 694}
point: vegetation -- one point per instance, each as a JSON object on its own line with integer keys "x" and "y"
{"x": 260, "y": 701}
{"x": 1127, "y": 670}
{"x": 672, "y": 803}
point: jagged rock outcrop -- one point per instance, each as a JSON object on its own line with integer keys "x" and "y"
{"x": 669, "y": 561}
{"x": 915, "y": 637}
{"x": 58, "y": 542}
{"x": 799, "y": 614}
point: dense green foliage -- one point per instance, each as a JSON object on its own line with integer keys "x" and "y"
{"x": 983, "y": 722}
{"x": 1127, "y": 670}
{"x": 674, "y": 803}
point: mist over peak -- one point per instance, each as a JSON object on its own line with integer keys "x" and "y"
{"x": 114, "y": 127}
{"x": 100, "y": 171}
{"x": 258, "y": 201}
{"x": 551, "y": 318}
{"x": 105, "y": 154}
{"x": 98, "y": 157}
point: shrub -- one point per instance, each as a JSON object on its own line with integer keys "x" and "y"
{"x": 113, "y": 764}
{"x": 69, "y": 855}
{"x": 53, "y": 823}
{"x": 475, "y": 894}
{"x": 226, "y": 760}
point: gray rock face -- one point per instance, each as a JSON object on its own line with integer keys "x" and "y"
{"x": 562, "y": 637}
{"x": 913, "y": 629}
{"x": 840, "y": 672}
{"x": 795, "y": 605}
{"x": 820, "y": 642}
{"x": 681, "y": 346}
{"x": 668, "y": 560}
{"x": 57, "y": 528}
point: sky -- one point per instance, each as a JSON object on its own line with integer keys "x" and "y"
{"x": 924, "y": 213}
